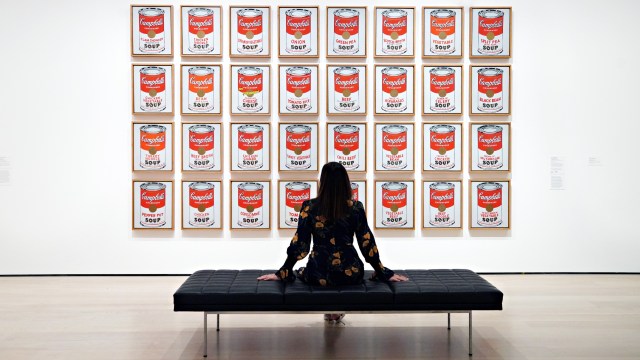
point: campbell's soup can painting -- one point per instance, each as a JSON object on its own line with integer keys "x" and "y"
{"x": 394, "y": 147}
{"x": 489, "y": 204}
{"x": 394, "y": 32}
{"x": 295, "y": 194}
{"x": 153, "y": 204}
{"x": 490, "y": 30}
{"x": 250, "y": 85}
{"x": 151, "y": 29}
{"x": 355, "y": 190}
{"x": 346, "y": 30}
{"x": 394, "y": 89}
{"x": 490, "y": 147}
{"x": 250, "y": 147}
{"x": 250, "y": 201}
{"x": 201, "y": 88}
{"x": 490, "y": 90}
{"x": 346, "y": 87}
{"x": 298, "y": 27}
{"x": 394, "y": 204}
{"x": 298, "y": 145}
{"x": 153, "y": 143}
{"x": 201, "y": 202}
{"x": 152, "y": 89}
{"x": 442, "y": 83}
{"x": 201, "y": 30}
{"x": 250, "y": 31}
{"x": 298, "y": 89}
{"x": 443, "y": 32}
{"x": 346, "y": 145}
{"x": 442, "y": 145}
{"x": 201, "y": 145}
{"x": 442, "y": 204}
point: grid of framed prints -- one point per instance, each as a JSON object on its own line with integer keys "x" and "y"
{"x": 291, "y": 195}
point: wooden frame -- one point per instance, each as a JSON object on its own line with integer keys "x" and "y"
{"x": 459, "y": 91}
{"x": 362, "y": 145}
{"x": 282, "y": 89}
{"x": 170, "y": 91}
{"x": 266, "y": 24}
{"x": 217, "y": 97}
{"x": 377, "y": 93}
{"x": 458, "y": 152}
{"x": 472, "y": 55}
{"x": 473, "y": 93}
{"x": 217, "y": 25}
{"x": 410, "y": 147}
{"x": 218, "y": 139}
{"x": 132, "y": 32}
{"x": 266, "y": 89}
{"x": 266, "y": 168}
{"x": 378, "y": 203}
{"x": 471, "y": 219}
{"x": 411, "y": 32}
{"x": 472, "y": 149}
{"x": 171, "y": 216}
{"x": 459, "y": 31}
{"x": 218, "y": 203}
{"x": 135, "y": 148}
{"x": 315, "y": 165}
{"x": 280, "y": 202}
{"x": 267, "y": 202}
{"x": 362, "y": 38}
{"x": 459, "y": 210}
{"x": 311, "y": 35}
{"x": 362, "y": 90}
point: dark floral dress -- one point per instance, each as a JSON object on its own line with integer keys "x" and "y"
{"x": 333, "y": 261}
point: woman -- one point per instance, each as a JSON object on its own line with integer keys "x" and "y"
{"x": 332, "y": 218}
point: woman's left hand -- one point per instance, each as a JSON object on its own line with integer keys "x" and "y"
{"x": 268, "y": 277}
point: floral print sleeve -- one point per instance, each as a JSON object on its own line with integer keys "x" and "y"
{"x": 299, "y": 246}
{"x": 367, "y": 244}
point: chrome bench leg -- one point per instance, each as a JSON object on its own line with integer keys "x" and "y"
{"x": 448, "y": 321}
{"x": 205, "y": 334}
{"x": 218, "y": 322}
{"x": 470, "y": 338}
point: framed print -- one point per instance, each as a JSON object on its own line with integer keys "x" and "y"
{"x": 152, "y": 205}
{"x": 250, "y": 147}
{"x": 442, "y": 32}
{"x": 201, "y": 33}
{"x": 489, "y": 205}
{"x": 347, "y": 144}
{"x": 250, "y": 205}
{"x": 490, "y": 30}
{"x": 298, "y": 90}
{"x": 151, "y": 30}
{"x": 490, "y": 146}
{"x": 152, "y": 146}
{"x": 298, "y": 147}
{"x": 395, "y": 206}
{"x": 490, "y": 89}
{"x": 201, "y": 92}
{"x": 291, "y": 195}
{"x": 442, "y": 92}
{"x": 394, "y": 146}
{"x": 250, "y": 31}
{"x": 250, "y": 89}
{"x": 441, "y": 147}
{"x": 152, "y": 89}
{"x": 346, "y": 90}
{"x": 395, "y": 90}
{"x": 359, "y": 191}
{"x": 346, "y": 32}
{"x": 442, "y": 204}
{"x": 202, "y": 147}
{"x": 395, "y": 31}
{"x": 298, "y": 29}
{"x": 202, "y": 205}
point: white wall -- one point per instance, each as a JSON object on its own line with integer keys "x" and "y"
{"x": 65, "y": 171}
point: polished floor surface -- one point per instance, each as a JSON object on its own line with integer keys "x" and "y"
{"x": 121, "y": 318}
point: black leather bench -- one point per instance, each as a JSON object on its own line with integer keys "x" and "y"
{"x": 238, "y": 291}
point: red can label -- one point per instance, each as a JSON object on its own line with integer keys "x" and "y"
{"x": 346, "y": 89}
{"x": 394, "y": 204}
{"x": 201, "y": 204}
{"x": 394, "y": 89}
{"x": 354, "y": 192}
{"x": 153, "y": 147}
{"x": 490, "y": 32}
{"x": 346, "y": 143}
{"x": 298, "y": 147}
{"x": 441, "y": 204}
{"x": 201, "y": 22}
{"x": 489, "y": 204}
{"x": 152, "y": 204}
{"x": 346, "y": 27}
{"x": 152, "y": 89}
{"x": 201, "y": 144}
{"x": 490, "y": 99}
{"x": 295, "y": 194}
{"x": 250, "y": 34}
{"x": 442, "y": 144}
{"x": 250, "y": 83}
{"x": 298, "y": 89}
{"x": 490, "y": 154}
{"x": 298, "y": 29}
{"x": 394, "y": 31}
{"x": 250, "y": 147}
{"x": 443, "y": 31}
{"x": 201, "y": 87}
{"x": 250, "y": 201}
{"x": 394, "y": 147}
{"x": 151, "y": 30}
{"x": 442, "y": 83}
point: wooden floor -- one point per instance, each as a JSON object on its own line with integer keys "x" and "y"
{"x": 121, "y": 318}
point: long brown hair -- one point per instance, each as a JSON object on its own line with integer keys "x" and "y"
{"x": 334, "y": 192}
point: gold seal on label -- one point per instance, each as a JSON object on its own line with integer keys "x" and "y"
{"x": 394, "y": 35}
{"x": 490, "y": 93}
{"x": 442, "y": 35}
{"x": 489, "y": 208}
{"x": 394, "y": 93}
{"x": 298, "y": 151}
{"x": 200, "y": 34}
{"x": 298, "y": 93}
{"x": 490, "y": 35}
{"x": 153, "y": 208}
{"x": 296, "y": 208}
{"x": 250, "y": 151}
{"x": 249, "y": 93}
{"x": 346, "y": 35}
{"x": 201, "y": 150}
{"x": 151, "y": 34}
{"x": 201, "y": 93}
{"x": 298, "y": 35}
{"x": 442, "y": 93}
{"x": 346, "y": 151}
{"x": 202, "y": 208}
{"x": 442, "y": 207}
{"x": 249, "y": 34}
{"x": 346, "y": 93}
{"x": 250, "y": 208}
{"x": 394, "y": 151}
{"x": 442, "y": 151}
{"x": 153, "y": 92}
{"x": 152, "y": 150}
{"x": 490, "y": 151}
{"x": 394, "y": 208}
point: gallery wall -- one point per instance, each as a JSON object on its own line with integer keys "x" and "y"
{"x": 65, "y": 147}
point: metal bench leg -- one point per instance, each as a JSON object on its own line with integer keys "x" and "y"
{"x": 205, "y": 334}
{"x": 218, "y": 322}
{"x": 448, "y": 321}
{"x": 470, "y": 338}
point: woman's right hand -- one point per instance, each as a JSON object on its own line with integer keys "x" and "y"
{"x": 268, "y": 277}
{"x": 397, "y": 277}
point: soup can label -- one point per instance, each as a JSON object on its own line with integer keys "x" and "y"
{"x": 394, "y": 204}
{"x": 346, "y": 28}
{"x": 153, "y": 142}
{"x": 298, "y": 147}
{"x": 298, "y": 27}
{"x": 394, "y": 32}
{"x": 489, "y": 204}
{"x": 355, "y": 190}
{"x": 201, "y": 201}
{"x": 298, "y": 89}
{"x": 200, "y": 30}
{"x": 490, "y": 32}
{"x": 151, "y": 29}
{"x": 394, "y": 89}
{"x": 443, "y": 32}
{"x": 490, "y": 147}
{"x": 250, "y": 33}
{"x": 442, "y": 83}
{"x": 250, "y": 201}
{"x": 152, "y": 89}
{"x": 490, "y": 90}
{"x": 442, "y": 204}
{"x": 250, "y": 147}
{"x": 201, "y": 145}
{"x": 394, "y": 147}
{"x": 442, "y": 145}
{"x": 201, "y": 89}
{"x": 152, "y": 204}
{"x": 346, "y": 97}
{"x": 250, "y": 85}
{"x": 346, "y": 145}
{"x": 295, "y": 194}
